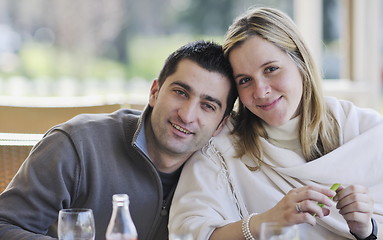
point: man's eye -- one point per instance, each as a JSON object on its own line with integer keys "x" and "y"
{"x": 271, "y": 69}
{"x": 208, "y": 106}
{"x": 180, "y": 92}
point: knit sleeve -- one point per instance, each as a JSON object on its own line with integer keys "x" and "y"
{"x": 44, "y": 184}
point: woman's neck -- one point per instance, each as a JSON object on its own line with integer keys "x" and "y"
{"x": 285, "y": 136}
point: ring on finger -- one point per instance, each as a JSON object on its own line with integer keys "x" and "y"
{"x": 298, "y": 207}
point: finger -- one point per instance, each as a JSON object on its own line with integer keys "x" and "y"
{"x": 313, "y": 208}
{"x": 340, "y": 188}
{"x": 360, "y": 207}
{"x": 305, "y": 217}
{"x": 357, "y": 217}
{"x": 326, "y": 191}
{"x": 350, "y": 190}
{"x": 316, "y": 196}
{"x": 355, "y": 201}
{"x": 325, "y": 211}
{"x": 301, "y": 217}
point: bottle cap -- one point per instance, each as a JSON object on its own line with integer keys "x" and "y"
{"x": 120, "y": 197}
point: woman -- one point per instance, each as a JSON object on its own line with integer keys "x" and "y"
{"x": 277, "y": 158}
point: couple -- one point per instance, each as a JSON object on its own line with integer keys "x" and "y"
{"x": 276, "y": 156}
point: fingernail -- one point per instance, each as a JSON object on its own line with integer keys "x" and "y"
{"x": 335, "y": 198}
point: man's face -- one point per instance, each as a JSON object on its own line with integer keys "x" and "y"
{"x": 187, "y": 109}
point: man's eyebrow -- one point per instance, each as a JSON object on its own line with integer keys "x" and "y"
{"x": 212, "y": 99}
{"x": 203, "y": 96}
{"x": 183, "y": 85}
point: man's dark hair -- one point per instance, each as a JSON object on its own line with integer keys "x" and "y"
{"x": 207, "y": 55}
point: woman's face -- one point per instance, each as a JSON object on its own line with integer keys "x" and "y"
{"x": 268, "y": 80}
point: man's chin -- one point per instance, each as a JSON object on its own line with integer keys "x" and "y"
{"x": 179, "y": 149}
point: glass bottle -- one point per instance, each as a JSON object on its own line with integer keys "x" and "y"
{"x": 121, "y": 226}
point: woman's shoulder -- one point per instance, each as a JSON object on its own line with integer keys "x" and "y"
{"x": 348, "y": 107}
{"x": 218, "y": 145}
{"x": 346, "y": 112}
{"x": 225, "y": 138}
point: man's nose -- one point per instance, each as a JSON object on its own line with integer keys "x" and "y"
{"x": 188, "y": 111}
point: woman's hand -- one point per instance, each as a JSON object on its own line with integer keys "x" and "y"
{"x": 356, "y": 206}
{"x": 299, "y": 206}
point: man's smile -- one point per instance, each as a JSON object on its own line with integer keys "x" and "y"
{"x": 181, "y": 129}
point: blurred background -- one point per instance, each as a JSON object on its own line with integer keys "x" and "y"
{"x": 59, "y": 58}
{"x": 70, "y": 52}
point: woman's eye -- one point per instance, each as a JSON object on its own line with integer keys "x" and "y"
{"x": 271, "y": 69}
{"x": 243, "y": 80}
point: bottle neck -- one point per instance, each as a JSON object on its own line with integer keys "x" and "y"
{"x": 120, "y": 203}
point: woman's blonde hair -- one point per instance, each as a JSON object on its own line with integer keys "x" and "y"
{"x": 319, "y": 131}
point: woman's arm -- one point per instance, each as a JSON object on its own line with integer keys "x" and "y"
{"x": 203, "y": 200}
{"x": 285, "y": 212}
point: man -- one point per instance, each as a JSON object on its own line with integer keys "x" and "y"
{"x": 83, "y": 162}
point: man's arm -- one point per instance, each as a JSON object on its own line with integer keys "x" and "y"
{"x": 43, "y": 185}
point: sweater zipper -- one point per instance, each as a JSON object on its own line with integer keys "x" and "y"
{"x": 164, "y": 212}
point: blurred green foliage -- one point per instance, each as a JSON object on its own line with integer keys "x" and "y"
{"x": 37, "y": 60}
{"x": 108, "y": 39}
{"x": 146, "y": 56}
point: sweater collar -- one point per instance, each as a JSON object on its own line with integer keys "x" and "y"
{"x": 139, "y": 137}
{"x": 287, "y": 131}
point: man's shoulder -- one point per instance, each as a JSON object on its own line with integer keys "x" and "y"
{"x": 85, "y": 124}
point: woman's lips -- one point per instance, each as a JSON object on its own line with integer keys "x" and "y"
{"x": 269, "y": 106}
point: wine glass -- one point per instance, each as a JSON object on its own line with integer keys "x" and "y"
{"x": 276, "y": 231}
{"x": 76, "y": 224}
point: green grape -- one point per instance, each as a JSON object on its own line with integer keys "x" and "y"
{"x": 334, "y": 187}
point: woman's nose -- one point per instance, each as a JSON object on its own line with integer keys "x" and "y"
{"x": 261, "y": 88}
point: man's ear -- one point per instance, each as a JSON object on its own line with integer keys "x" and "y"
{"x": 153, "y": 92}
{"x": 220, "y": 126}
